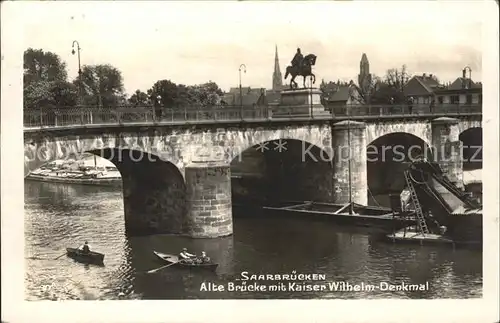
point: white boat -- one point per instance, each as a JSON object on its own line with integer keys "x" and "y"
{"x": 80, "y": 172}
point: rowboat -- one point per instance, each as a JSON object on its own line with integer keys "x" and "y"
{"x": 91, "y": 257}
{"x": 175, "y": 260}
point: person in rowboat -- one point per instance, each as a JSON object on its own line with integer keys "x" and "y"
{"x": 185, "y": 256}
{"x": 85, "y": 248}
{"x": 204, "y": 258}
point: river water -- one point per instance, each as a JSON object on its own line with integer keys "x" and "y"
{"x": 60, "y": 215}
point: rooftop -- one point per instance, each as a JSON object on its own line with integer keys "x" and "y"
{"x": 340, "y": 95}
{"x": 429, "y": 82}
{"x": 464, "y": 83}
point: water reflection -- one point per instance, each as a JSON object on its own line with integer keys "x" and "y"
{"x": 59, "y": 216}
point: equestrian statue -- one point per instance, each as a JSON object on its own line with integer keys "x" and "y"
{"x": 301, "y": 66}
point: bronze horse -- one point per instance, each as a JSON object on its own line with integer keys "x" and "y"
{"x": 305, "y": 70}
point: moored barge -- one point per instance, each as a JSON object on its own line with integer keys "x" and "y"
{"x": 442, "y": 209}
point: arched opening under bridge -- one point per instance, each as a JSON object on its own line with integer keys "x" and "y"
{"x": 387, "y": 158}
{"x": 153, "y": 190}
{"x": 281, "y": 170}
{"x": 472, "y": 161}
{"x": 472, "y": 151}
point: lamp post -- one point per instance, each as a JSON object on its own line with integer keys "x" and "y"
{"x": 79, "y": 67}
{"x": 241, "y": 92}
{"x": 77, "y": 51}
{"x": 79, "y": 99}
{"x": 464, "y": 71}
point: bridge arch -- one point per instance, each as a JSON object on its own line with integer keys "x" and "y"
{"x": 282, "y": 169}
{"x": 465, "y": 124}
{"x": 39, "y": 150}
{"x": 418, "y": 128}
{"x": 387, "y": 158}
{"x": 154, "y": 191}
{"x": 472, "y": 148}
{"x": 233, "y": 142}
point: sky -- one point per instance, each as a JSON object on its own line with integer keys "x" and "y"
{"x": 194, "y": 42}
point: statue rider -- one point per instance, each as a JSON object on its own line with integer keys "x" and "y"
{"x": 297, "y": 59}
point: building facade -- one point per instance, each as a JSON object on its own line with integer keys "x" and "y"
{"x": 421, "y": 88}
{"x": 459, "y": 96}
{"x": 426, "y": 89}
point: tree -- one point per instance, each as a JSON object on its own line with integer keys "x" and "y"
{"x": 42, "y": 66}
{"x": 50, "y": 94}
{"x": 36, "y": 94}
{"x": 206, "y": 94}
{"x": 384, "y": 93}
{"x": 397, "y": 79}
{"x": 172, "y": 96}
{"x": 101, "y": 85}
{"x": 63, "y": 93}
{"x": 164, "y": 93}
{"x": 390, "y": 89}
{"x": 327, "y": 89}
{"x": 139, "y": 98}
{"x": 45, "y": 82}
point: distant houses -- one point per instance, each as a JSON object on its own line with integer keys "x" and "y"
{"x": 340, "y": 94}
{"x": 421, "y": 88}
{"x": 425, "y": 89}
{"x": 251, "y": 97}
{"x": 463, "y": 91}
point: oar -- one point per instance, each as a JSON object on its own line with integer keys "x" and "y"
{"x": 155, "y": 270}
{"x": 60, "y": 256}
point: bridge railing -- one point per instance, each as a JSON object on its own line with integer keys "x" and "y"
{"x": 74, "y": 116}
{"x": 405, "y": 110}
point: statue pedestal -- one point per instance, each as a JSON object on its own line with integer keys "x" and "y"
{"x": 300, "y": 102}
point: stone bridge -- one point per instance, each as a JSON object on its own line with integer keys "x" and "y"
{"x": 177, "y": 178}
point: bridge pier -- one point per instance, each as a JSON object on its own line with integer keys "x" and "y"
{"x": 209, "y": 207}
{"x": 349, "y": 140}
{"x": 447, "y": 148}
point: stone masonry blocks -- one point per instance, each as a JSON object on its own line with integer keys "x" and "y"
{"x": 209, "y": 207}
{"x": 349, "y": 137}
{"x": 447, "y": 148}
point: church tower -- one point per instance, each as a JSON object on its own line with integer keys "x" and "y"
{"x": 277, "y": 77}
{"x": 364, "y": 77}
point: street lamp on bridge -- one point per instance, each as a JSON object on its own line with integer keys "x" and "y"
{"x": 241, "y": 92}
{"x": 464, "y": 75}
{"x": 79, "y": 66}
{"x": 77, "y": 51}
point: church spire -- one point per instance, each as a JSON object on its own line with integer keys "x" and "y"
{"x": 277, "y": 77}
{"x": 364, "y": 77}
